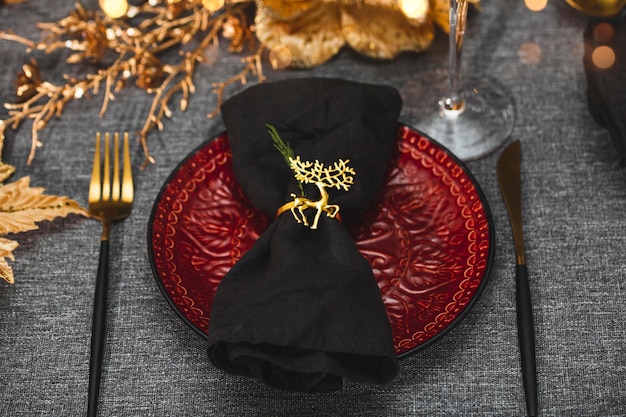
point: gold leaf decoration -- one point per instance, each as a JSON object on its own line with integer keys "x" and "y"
{"x": 6, "y": 252}
{"x": 309, "y": 39}
{"x": 5, "y": 171}
{"x": 312, "y": 32}
{"x": 381, "y": 31}
{"x": 21, "y": 208}
{"x": 440, "y": 13}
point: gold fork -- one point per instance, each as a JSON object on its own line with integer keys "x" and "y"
{"x": 109, "y": 200}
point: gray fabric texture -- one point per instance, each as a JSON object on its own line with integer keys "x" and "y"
{"x": 574, "y": 197}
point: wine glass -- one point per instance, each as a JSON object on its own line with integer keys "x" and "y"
{"x": 471, "y": 120}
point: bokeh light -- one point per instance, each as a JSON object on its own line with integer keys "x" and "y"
{"x": 529, "y": 53}
{"x": 79, "y": 92}
{"x": 603, "y": 32}
{"x": 536, "y": 5}
{"x": 414, "y": 9}
{"x": 213, "y": 5}
{"x": 603, "y": 57}
{"x": 114, "y": 8}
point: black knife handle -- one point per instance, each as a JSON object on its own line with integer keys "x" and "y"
{"x": 526, "y": 336}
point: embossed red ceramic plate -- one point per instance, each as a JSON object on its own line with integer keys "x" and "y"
{"x": 428, "y": 237}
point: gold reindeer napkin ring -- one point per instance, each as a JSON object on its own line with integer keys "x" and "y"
{"x": 339, "y": 175}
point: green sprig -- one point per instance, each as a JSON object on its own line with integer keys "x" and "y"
{"x": 285, "y": 150}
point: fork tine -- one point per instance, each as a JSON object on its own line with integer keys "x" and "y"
{"x": 95, "y": 185}
{"x": 127, "y": 175}
{"x": 115, "y": 187}
{"x": 106, "y": 175}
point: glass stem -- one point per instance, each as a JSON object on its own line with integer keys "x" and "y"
{"x": 454, "y": 102}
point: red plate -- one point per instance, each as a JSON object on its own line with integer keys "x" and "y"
{"x": 428, "y": 237}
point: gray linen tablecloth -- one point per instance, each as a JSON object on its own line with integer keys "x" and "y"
{"x": 575, "y": 227}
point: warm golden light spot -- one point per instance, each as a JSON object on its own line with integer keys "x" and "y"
{"x": 536, "y": 5}
{"x": 280, "y": 57}
{"x": 110, "y": 34}
{"x": 603, "y": 32}
{"x": 213, "y": 5}
{"x": 132, "y": 11}
{"x": 529, "y": 53}
{"x": 114, "y": 8}
{"x": 603, "y": 57}
{"x": 414, "y": 9}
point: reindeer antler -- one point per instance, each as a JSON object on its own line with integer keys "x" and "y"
{"x": 339, "y": 175}
{"x": 302, "y": 170}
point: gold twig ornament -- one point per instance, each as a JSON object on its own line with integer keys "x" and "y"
{"x": 129, "y": 44}
{"x": 339, "y": 175}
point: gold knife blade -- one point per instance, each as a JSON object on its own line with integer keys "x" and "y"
{"x": 509, "y": 178}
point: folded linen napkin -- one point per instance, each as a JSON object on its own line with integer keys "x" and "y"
{"x": 301, "y": 310}
{"x": 606, "y": 88}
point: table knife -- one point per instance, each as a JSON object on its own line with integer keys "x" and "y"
{"x": 509, "y": 178}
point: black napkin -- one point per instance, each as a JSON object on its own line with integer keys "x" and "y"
{"x": 606, "y": 88}
{"x": 301, "y": 309}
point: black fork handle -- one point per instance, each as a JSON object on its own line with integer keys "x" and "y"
{"x": 98, "y": 329}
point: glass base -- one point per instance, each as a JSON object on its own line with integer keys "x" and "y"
{"x": 478, "y": 129}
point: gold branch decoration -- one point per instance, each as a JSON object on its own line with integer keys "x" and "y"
{"x": 129, "y": 48}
